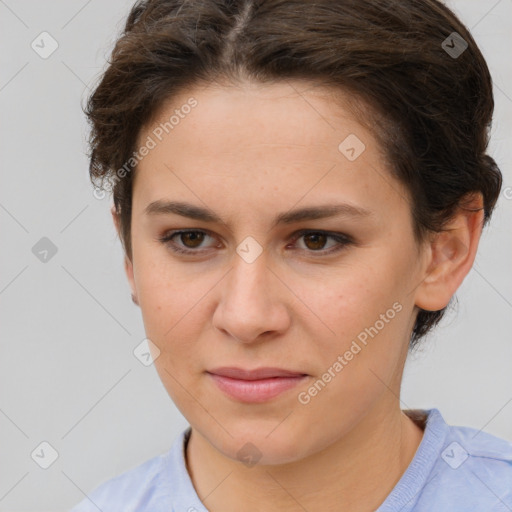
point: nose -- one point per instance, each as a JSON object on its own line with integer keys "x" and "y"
{"x": 252, "y": 306}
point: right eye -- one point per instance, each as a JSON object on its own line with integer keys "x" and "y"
{"x": 190, "y": 240}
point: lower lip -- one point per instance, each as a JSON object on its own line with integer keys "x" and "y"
{"x": 255, "y": 391}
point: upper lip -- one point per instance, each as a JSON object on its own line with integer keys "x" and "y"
{"x": 258, "y": 373}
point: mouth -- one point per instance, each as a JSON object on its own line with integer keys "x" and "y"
{"x": 255, "y": 386}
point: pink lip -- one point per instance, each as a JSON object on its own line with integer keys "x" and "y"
{"x": 255, "y": 386}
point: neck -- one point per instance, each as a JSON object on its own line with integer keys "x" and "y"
{"x": 355, "y": 473}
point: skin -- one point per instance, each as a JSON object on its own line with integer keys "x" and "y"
{"x": 249, "y": 152}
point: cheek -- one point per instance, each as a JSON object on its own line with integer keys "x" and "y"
{"x": 364, "y": 353}
{"x": 365, "y": 309}
{"x": 164, "y": 289}
{"x": 351, "y": 298}
{"x": 167, "y": 302}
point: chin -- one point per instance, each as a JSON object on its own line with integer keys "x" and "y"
{"x": 252, "y": 444}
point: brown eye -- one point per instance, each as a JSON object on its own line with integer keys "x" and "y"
{"x": 321, "y": 243}
{"x": 190, "y": 242}
{"x": 192, "y": 239}
{"x": 186, "y": 241}
{"x": 315, "y": 241}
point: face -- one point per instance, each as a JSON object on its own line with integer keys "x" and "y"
{"x": 306, "y": 262}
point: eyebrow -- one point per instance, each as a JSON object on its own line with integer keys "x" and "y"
{"x": 191, "y": 211}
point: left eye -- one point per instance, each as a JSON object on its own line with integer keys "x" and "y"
{"x": 314, "y": 241}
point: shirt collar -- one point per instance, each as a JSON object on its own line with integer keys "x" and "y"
{"x": 184, "y": 498}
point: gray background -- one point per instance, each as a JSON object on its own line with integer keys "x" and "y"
{"x": 67, "y": 372}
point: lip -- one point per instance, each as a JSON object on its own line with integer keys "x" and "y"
{"x": 255, "y": 386}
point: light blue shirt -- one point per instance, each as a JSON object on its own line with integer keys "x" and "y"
{"x": 454, "y": 469}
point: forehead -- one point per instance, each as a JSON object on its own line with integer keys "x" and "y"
{"x": 247, "y": 114}
{"x": 292, "y": 138}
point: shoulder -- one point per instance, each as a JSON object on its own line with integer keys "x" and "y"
{"x": 481, "y": 444}
{"x": 473, "y": 469}
{"x": 479, "y": 452}
{"x": 134, "y": 490}
{"x": 160, "y": 484}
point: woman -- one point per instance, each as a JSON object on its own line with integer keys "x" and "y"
{"x": 300, "y": 188}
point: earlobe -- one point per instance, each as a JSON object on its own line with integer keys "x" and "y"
{"x": 128, "y": 268}
{"x": 115, "y": 218}
{"x": 128, "y": 265}
{"x": 452, "y": 254}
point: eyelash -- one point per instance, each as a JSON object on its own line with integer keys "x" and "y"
{"x": 342, "y": 239}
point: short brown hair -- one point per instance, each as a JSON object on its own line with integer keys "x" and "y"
{"x": 430, "y": 110}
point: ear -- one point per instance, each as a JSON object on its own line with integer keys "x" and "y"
{"x": 451, "y": 255}
{"x": 128, "y": 265}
